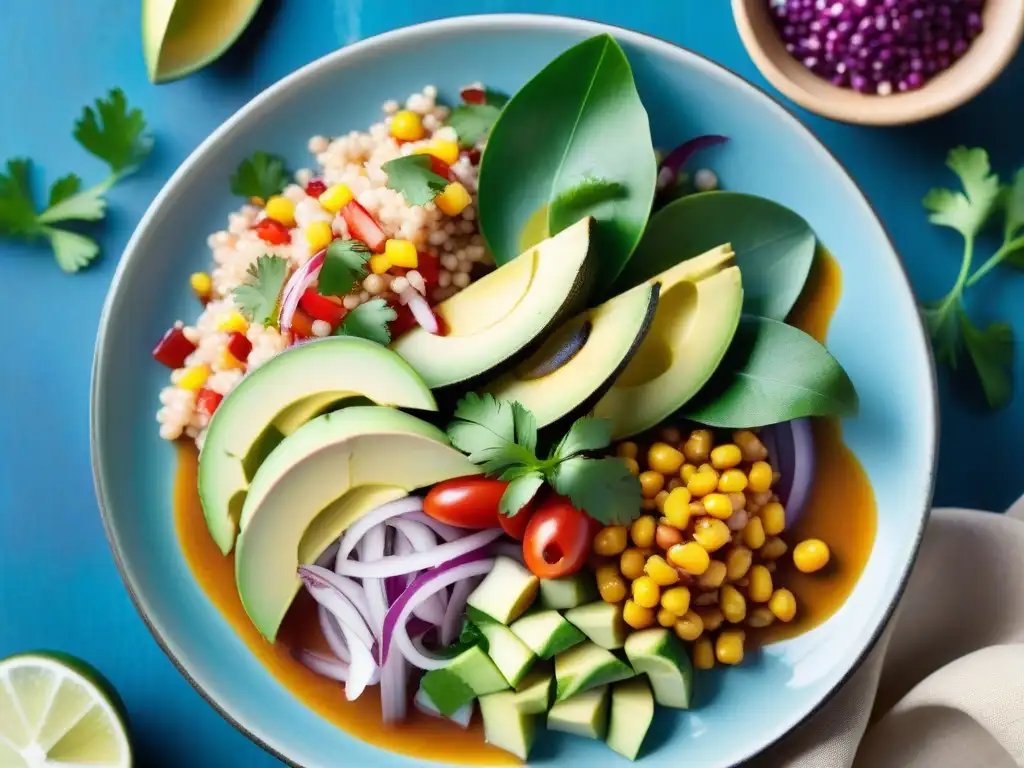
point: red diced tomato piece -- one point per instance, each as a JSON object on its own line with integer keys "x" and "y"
{"x": 239, "y": 346}
{"x": 173, "y": 348}
{"x": 272, "y": 231}
{"x": 207, "y": 401}
{"x": 321, "y": 308}
{"x": 441, "y": 168}
{"x": 402, "y": 324}
{"x": 302, "y": 324}
{"x": 362, "y": 226}
{"x": 429, "y": 267}
{"x": 316, "y": 187}
{"x": 473, "y": 95}
{"x": 473, "y": 155}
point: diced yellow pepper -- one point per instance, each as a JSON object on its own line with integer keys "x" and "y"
{"x": 233, "y": 321}
{"x": 379, "y": 264}
{"x": 453, "y": 200}
{"x": 319, "y": 235}
{"x": 401, "y": 253}
{"x": 335, "y": 197}
{"x": 442, "y": 149}
{"x": 282, "y": 210}
{"x": 195, "y": 377}
{"x": 229, "y": 361}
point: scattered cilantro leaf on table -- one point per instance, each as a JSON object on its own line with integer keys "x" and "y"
{"x": 258, "y": 299}
{"x": 369, "y": 321}
{"x": 263, "y": 175}
{"x": 472, "y": 122}
{"x": 112, "y": 132}
{"x": 414, "y": 178}
{"x": 344, "y": 264}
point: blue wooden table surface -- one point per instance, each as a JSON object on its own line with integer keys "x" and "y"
{"x": 58, "y": 584}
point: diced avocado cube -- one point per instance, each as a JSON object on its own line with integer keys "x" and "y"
{"x": 510, "y": 655}
{"x": 462, "y": 716}
{"x": 660, "y": 655}
{"x": 587, "y": 666}
{"x": 535, "y": 692}
{"x": 468, "y": 675}
{"x": 506, "y": 726}
{"x": 568, "y": 591}
{"x": 585, "y": 714}
{"x": 547, "y": 633}
{"x": 506, "y": 592}
{"x": 601, "y": 622}
{"x": 632, "y": 713}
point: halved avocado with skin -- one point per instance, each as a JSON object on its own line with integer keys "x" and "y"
{"x": 576, "y": 365}
{"x": 319, "y": 481}
{"x": 277, "y": 398}
{"x": 499, "y": 318}
{"x": 697, "y": 316}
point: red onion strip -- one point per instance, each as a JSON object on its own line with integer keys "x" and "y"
{"x": 510, "y": 549}
{"x": 331, "y": 598}
{"x": 323, "y": 666}
{"x": 394, "y": 689}
{"x": 301, "y": 279}
{"x": 395, "y": 566}
{"x": 676, "y": 159}
{"x": 452, "y": 623}
{"x": 791, "y": 453}
{"x": 332, "y": 634}
{"x": 423, "y": 314}
{"x": 362, "y": 670}
{"x": 422, "y": 540}
{"x": 382, "y": 513}
{"x": 371, "y": 547}
{"x": 349, "y": 589}
{"x": 443, "y": 530}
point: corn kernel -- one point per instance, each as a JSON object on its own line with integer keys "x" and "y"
{"x": 750, "y": 445}
{"x": 712, "y": 618}
{"x": 646, "y": 592}
{"x": 726, "y": 456}
{"x": 711, "y": 534}
{"x": 627, "y": 450}
{"x": 691, "y": 557}
{"x": 773, "y": 548}
{"x": 202, "y": 285}
{"x": 703, "y": 654}
{"x": 705, "y": 599}
{"x": 660, "y": 499}
{"x": 760, "y": 617}
{"x": 783, "y": 605}
{"x": 651, "y": 483}
{"x": 666, "y": 618}
{"x": 667, "y": 536}
{"x": 677, "y": 508}
{"x": 610, "y": 584}
{"x": 760, "y": 588}
{"x": 708, "y": 468}
{"x": 733, "y": 604}
{"x": 335, "y": 197}
{"x": 753, "y": 533}
{"x": 453, "y": 200}
{"x": 663, "y": 574}
{"x": 379, "y": 264}
{"x": 718, "y": 505}
{"x": 632, "y": 563}
{"x": 714, "y": 576}
{"x": 773, "y": 515}
{"x": 401, "y": 253}
{"x": 689, "y": 627}
{"x": 637, "y": 616}
{"x": 281, "y": 210}
{"x": 642, "y": 531}
{"x": 702, "y": 483}
{"x": 686, "y": 472}
{"x": 760, "y": 477}
{"x": 676, "y": 600}
{"x": 407, "y": 126}
{"x": 729, "y": 647}
{"x": 233, "y": 321}
{"x": 732, "y": 481}
{"x": 697, "y": 448}
{"x": 663, "y": 458}
{"x": 610, "y": 540}
{"x": 811, "y": 555}
{"x": 738, "y": 562}
{"x": 442, "y": 149}
{"x": 697, "y": 509}
{"x": 632, "y": 466}
{"x": 319, "y": 235}
{"x": 194, "y": 378}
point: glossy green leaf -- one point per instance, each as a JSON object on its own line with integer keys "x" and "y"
{"x": 772, "y": 373}
{"x": 774, "y": 246}
{"x": 578, "y": 124}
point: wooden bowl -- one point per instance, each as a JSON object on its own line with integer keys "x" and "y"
{"x": 988, "y": 55}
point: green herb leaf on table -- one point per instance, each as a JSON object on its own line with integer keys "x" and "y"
{"x": 604, "y": 488}
{"x": 258, "y": 299}
{"x": 966, "y": 211}
{"x": 991, "y": 351}
{"x": 774, "y": 247}
{"x": 472, "y": 122}
{"x": 344, "y": 264}
{"x": 413, "y": 177}
{"x": 263, "y": 175}
{"x": 519, "y": 492}
{"x": 114, "y": 133}
{"x": 1013, "y": 230}
{"x": 72, "y": 250}
{"x": 17, "y": 211}
{"x": 369, "y": 321}
{"x": 773, "y": 372}
{"x": 586, "y": 106}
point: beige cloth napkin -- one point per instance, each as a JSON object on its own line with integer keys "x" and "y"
{"x": 944, "y": 688}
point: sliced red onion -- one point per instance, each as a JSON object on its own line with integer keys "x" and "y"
{"x": 359, "y": 528}
{"x": 462, "y": 716}
{"x": 395, "y": 585}
{"x": 334, "y": 600}
{"x": 421, "y": 310}
{"x": 463, "y": 567}
{"x": 371, "y": 547}
{"x": 362, "y": 670}
{"x": 452, "y": 623}
{"x": 301, "y": 279}
{"x": 510, "y": 549}
{"x": 352, "y": 591}
{"x": 676, "y": 159}
{"x": 422, "y": 539}
{"x": 394, "y": 687}
{"x": 323, "y": 665}
{"x": 332, "y": 634}
{"x": 443, "y": 530}
{"x": 793, "y": 458}
{"x": 395, "y": 566}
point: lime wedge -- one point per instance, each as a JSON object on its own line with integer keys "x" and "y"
{"x": 58, "y": 712}
{"x": 181, "y": 36}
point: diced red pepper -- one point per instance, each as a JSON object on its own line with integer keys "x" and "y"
{"x": 473, "y": 155}
{"x": 173, "y": 348}
{"x": 473, "y": 95}
{"x": 316, "y": 187}
{"x": 321, "y": 308}
{"x": 272, "y": 231}
{"x": 429, "y": 267}
{"x": 302, "y": 324}
{"x": 441, "y": 168}
{"x": 207, "y": 401}
{"x": 362, "y": 226}
{"x": 402, "y": 324}
{"x": 239, "y": 346}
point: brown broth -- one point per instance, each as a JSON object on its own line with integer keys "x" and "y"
{"x": 841, "y": 511}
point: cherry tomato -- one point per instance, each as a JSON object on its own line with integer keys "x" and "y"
{"x": 557, "y": 539}
{"x": 515, "y": 526}
{"x": 465, "y": 502}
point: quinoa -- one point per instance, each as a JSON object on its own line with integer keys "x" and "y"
{"x": 353, "y": 159}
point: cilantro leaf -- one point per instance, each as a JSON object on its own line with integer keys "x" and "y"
{"x": 88, "y": 205}
{"x": 17, "y": 211}
{"x": 63, "y": 188}
{"x": 586, "y": 434}
{"x": 1013, "y": 201}
{"x": 258, "y": 299}
{"x": 965, "y": 211}
{"x": 114, "y": 133}
{"x": 500, "y": 459}
{"x": 72, "y": 250}
{"x": 482, "y": 423}
{"x": 525, "y": 426}
{"x": 414, "y": 178}
{"x": 495, "y": 98}
{"x": 519, "y": 492}
{"x": 263, "y": 175}
{"x": 344, "y": 264}
{"x": 369, "y": 321}
{"x": 944, "y": 330}
{"x": 603, "y": 488}
{"x": 472, "y": 122}
{"x": 991, "y": 352}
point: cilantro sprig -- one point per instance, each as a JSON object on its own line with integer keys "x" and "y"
{"x": 501, "y": 437}
{"x": 261, "y": 176}
{"x": 344, "y": 264}
{"x": 110, "y": 131}
{"x": 414, "y": 177}
{"x": 259, "y": 298}
{"x": 369, "y": 321}
{"x": 989, "y": 349}
{"x": 472, "y": 122}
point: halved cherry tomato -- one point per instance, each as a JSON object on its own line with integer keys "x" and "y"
{"x": 465, "y": 502}
{"x": 515, "y": 526}
{"x": 557, "y": 539}
{"x": 321, "y": 308}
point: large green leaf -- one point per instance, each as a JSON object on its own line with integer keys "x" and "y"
{"x": 576, "y": 137}
{"x": 773, "y": 372}
{"x": 774, "y": 247}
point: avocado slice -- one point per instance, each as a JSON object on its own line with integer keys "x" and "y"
{"x": 585, "y": 714}
{"x": 601, "y": 622}
{"x": 698, "y": 312}
{"x": 320, "y": 480}
{"x": 280, "y": 396}
{"x": 535, "y": 692}
{"x": 498, "y": 318}
{"x": 506, "y": 726}
{"x": 510, "y": 655}
{"x": 578, "y": 363}
{"x": 568, "y": 591}
{"x": 547, "y": 633}
{"x": 587, "y": 666}
{"x": 468, "y": 675}
{"x": 631, "y": 717}
{"x": 660, "y": 655}
{"x": 506, "y": 591}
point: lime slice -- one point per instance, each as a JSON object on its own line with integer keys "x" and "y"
{"x": 58, "y": 712}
